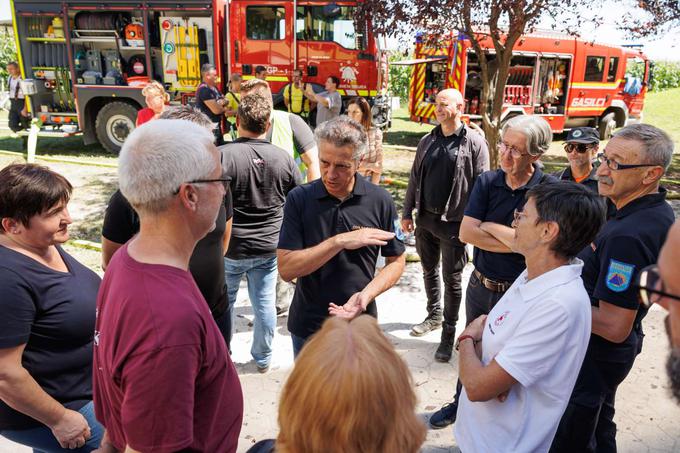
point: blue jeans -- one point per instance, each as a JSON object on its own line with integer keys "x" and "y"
{"x": 42, "y": 440}
{"x": 261, "y": 276}
{"x": 298, "y": 343}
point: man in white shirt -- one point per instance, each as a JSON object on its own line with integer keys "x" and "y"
{"x": 518, "y": 366}
{"x": 18, "y": 116}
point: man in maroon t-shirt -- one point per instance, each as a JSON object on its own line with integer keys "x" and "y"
{"x": 163, "y": 380}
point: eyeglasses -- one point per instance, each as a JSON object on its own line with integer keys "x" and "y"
{"x": 578, "y": 147}
{"x": 613, "y": 165}
{"x": 651, "y": 287}
{"x": 517, "y": 214}
{"x": 516, "y": 153}
{"x": 225, "y": 182}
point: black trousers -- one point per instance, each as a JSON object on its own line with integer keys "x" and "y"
{"x": 435, "y": 239}
{"x": 219, "y": 136}
{"x": 478, "y": 301}
{"x": 16, "y": 121}
{"x": 587, "y": 424}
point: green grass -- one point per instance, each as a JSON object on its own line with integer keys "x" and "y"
{"x": 661, "y": 110}
{"x": 405, "y": 132}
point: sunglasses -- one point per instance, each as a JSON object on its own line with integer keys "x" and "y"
{"x": 651, "y": 288}
{"x": 578, "y": 147}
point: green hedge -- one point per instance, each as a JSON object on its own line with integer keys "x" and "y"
{"x": 399, "y": 77}
{"x": 666, "y": 75}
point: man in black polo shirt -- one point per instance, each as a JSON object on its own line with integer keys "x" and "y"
{"x": 333, "y": 230}
{"x": 121, "y": 223}
{"x": 488, "y": 219}
{"x": 447, "y": 162}
{"x": 210, "y": 101}
{"x": 632, "y": 165}
{"x": 261, "y": 176}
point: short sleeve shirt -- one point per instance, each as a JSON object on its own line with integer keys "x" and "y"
{"x": 492, "y": 200}
{"x": 206, "y": 93}
{"x": 53, "y": 314}
{"x": 121, "y": 223}
{"x": 312, "y": 215}
{"x": 538, "y": 333}
{"x": 261, "y": 176}
{"x": 163, "y": 379}
{"x": 626, "y": 244}
{"x": 334, "y": 105}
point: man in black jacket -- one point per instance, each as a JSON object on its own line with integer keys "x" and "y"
{"x": 447, "y": 162}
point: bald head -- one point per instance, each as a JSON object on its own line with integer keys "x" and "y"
{"x": 449, "y": 108}
{"x": 453, "y": 95}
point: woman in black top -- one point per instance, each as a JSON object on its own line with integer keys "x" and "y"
{"x": 47, "y": 315}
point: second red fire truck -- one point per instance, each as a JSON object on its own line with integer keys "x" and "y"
{"x": 568, "y": 81}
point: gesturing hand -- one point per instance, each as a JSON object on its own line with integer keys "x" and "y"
{"x": 364, "y": 236}
{"x": 352, "y": 308}
{"x": 72, "y": 430}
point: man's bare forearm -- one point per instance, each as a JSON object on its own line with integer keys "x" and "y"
{"x": 483, "y": 240}
{"x": 22, "y": 393}
{"x": 502, "y": 233}
{"x": 387, "y": 277}
{"x": 299, "y": 263}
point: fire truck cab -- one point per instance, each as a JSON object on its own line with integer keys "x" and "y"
{"x": 85, "y": 62}
{"x": 568, "y": 81}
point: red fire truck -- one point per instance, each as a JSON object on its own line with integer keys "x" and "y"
{"x": 568, "y": 81}
{"x": 85, "y": 62}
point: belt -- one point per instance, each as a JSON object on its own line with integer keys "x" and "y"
{"x": 492, "y": 285}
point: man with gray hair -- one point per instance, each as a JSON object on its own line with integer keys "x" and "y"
{"x": 333, "y": 230}
{"x": 210, "y": 101}
{"x": 631, "y": 167}
{"x": 163, "y": 380}
{"x": 487, "y": 221}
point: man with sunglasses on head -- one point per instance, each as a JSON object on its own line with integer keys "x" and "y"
{"x": 631, "y": 167}
{"x": 262, "y": 175}
{"x": 659, "y": 284}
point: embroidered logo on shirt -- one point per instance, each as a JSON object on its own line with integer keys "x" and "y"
{"x": 398, "y": 233}
{"x": 619, "y": 275}
{"x": 501, "y": 319}
{"x": 259, "y": 162}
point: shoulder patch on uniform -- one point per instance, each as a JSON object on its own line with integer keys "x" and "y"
{"x": 619, "y": 275}
{"x": 398, "y": 233}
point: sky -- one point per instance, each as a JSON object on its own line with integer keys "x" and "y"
{"x": 666, "y": 48}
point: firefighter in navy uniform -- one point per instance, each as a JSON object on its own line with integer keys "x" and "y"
{"x": 632, "y": 165}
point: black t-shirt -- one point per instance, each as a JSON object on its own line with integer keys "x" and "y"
{"x": 53, "y": 313}
{"x": 121, "y": 223}
{"x": 627, "y": 243}
{"x": 492, "y": 200}
{"x": 261, "y": 176}
{"x": 206, "y": 93}
{"x": 438, "y": 169}
{"x": 312, "y": 215}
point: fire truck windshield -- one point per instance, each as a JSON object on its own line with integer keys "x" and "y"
{"x": 319, "y": 23}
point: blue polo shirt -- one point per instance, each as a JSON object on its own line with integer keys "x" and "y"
{"x": 627, "y": 243}
{"x": 311, "y": 215}
{"x": 492, "y": 200}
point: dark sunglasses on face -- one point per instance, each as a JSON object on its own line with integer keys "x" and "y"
{"x": 651, "y": 288}
{"x": 578, "y": 147}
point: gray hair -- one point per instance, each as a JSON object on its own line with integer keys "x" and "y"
{"x": 535, "y": 129}
{"x": 343, "y": 131}
{"x": 207, "y": 67}
{"x": 657, "y": 146}
{"x": 158, "y": 157}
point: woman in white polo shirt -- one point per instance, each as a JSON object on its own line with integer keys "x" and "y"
{"x": 518, "y": 366}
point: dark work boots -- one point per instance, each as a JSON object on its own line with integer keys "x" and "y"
{"x": 445, "y": 349}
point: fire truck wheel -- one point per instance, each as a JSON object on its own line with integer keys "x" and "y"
{"x": 114, "y": 123}
{"x": 607, "y": 126}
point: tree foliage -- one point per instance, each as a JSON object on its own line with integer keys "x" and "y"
{"x": 399, "y": 79}
{"x": 8, "y": 52}
{"x": 661, "y": 16}
{"x": 495, "y": 24}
